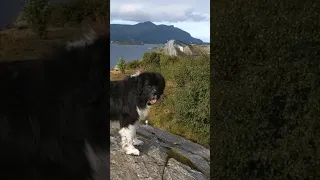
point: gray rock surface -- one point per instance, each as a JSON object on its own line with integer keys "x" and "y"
{"x": 176, "y": 170}
{"x": 163, "y": 156}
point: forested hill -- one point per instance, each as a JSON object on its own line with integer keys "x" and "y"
{"x": 147, "y": 32}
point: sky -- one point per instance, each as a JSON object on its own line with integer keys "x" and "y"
{"x": 192, "y": 16}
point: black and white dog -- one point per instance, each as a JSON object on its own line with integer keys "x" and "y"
{"x": 130, "y": 100}
{"x": 53, "y": 112}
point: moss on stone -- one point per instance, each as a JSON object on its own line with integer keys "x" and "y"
{"x": 182, "y": 159}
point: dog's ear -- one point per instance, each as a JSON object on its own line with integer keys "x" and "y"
{"x": 141, "y": 84}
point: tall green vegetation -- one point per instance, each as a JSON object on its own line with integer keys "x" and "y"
{"x": 135, "y": 64}
{"x": 38, "y": 14}
{"x": 121, "y": 65}
{"x": 74, "y": 12}
{"x": 265, "y": 84}
{"x": 185, "y": 108}
{"x": 70, "y": 13}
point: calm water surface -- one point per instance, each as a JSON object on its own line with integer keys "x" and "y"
{"x": 129, "y": 52}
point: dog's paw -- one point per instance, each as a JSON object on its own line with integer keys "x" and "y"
{"x": 137, "y": 142}
{"x": 132, "y": 151}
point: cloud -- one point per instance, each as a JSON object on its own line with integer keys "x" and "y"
{"x": 165, "y": 10}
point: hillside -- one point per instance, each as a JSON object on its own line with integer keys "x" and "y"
{"x": 147, "y": 32}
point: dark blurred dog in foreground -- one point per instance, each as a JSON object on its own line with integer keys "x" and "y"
{"x": 54, "y": 112}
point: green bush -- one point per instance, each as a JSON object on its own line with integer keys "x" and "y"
{"x": 74, "y": 12}
{"x": 189, "y": 98}
{"x": 151, "y": 60}
{"x": 38, "y": 14}
{"x": 265, "y": 83}
{"x": 121, "y": 65}
{"x": 96, "y": 8}
{"x": 58, "y": 16}
{"x": 166, "y": 60}
{"x": 191, "y": 101}
{"x": 133, "y": 64}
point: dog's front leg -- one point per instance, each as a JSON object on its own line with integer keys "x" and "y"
{"x": 136, "y": 141}
{"x": 127, "y": 133}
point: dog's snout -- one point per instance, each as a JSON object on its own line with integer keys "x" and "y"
{"x": 154, "y": 94}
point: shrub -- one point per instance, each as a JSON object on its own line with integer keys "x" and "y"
{"x": 38, "y": 14}
{"x": 192, "y": 95}
{"x": 121, "y": 65}
{"x": 133, "y": 64}
{"x": 96, "y": 8}
{"x": 166, "y": 60}
{"x": 151, "y": 60}
{"x": 75, "y": 12}
{"x": 187, "y": 98}
{"x": 59, "y": 16}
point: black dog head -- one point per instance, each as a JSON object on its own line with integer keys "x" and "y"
{"x": 150, "y": 86}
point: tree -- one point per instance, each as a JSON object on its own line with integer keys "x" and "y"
{"x": 121, "y": 65}
{"x": 38, "y": 14}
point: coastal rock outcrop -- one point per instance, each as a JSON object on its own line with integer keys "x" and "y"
{"x": 163, "y": 156}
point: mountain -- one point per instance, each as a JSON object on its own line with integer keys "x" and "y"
{"x": 147, "y": 32}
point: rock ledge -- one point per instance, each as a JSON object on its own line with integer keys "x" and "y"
{"x": 164, "y": 156}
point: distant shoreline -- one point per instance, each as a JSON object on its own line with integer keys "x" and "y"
{"x": 116, "y": 43}
{"x": 127, "y": 43}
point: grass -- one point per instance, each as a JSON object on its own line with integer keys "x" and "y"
{"x": 116, "y": 75}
